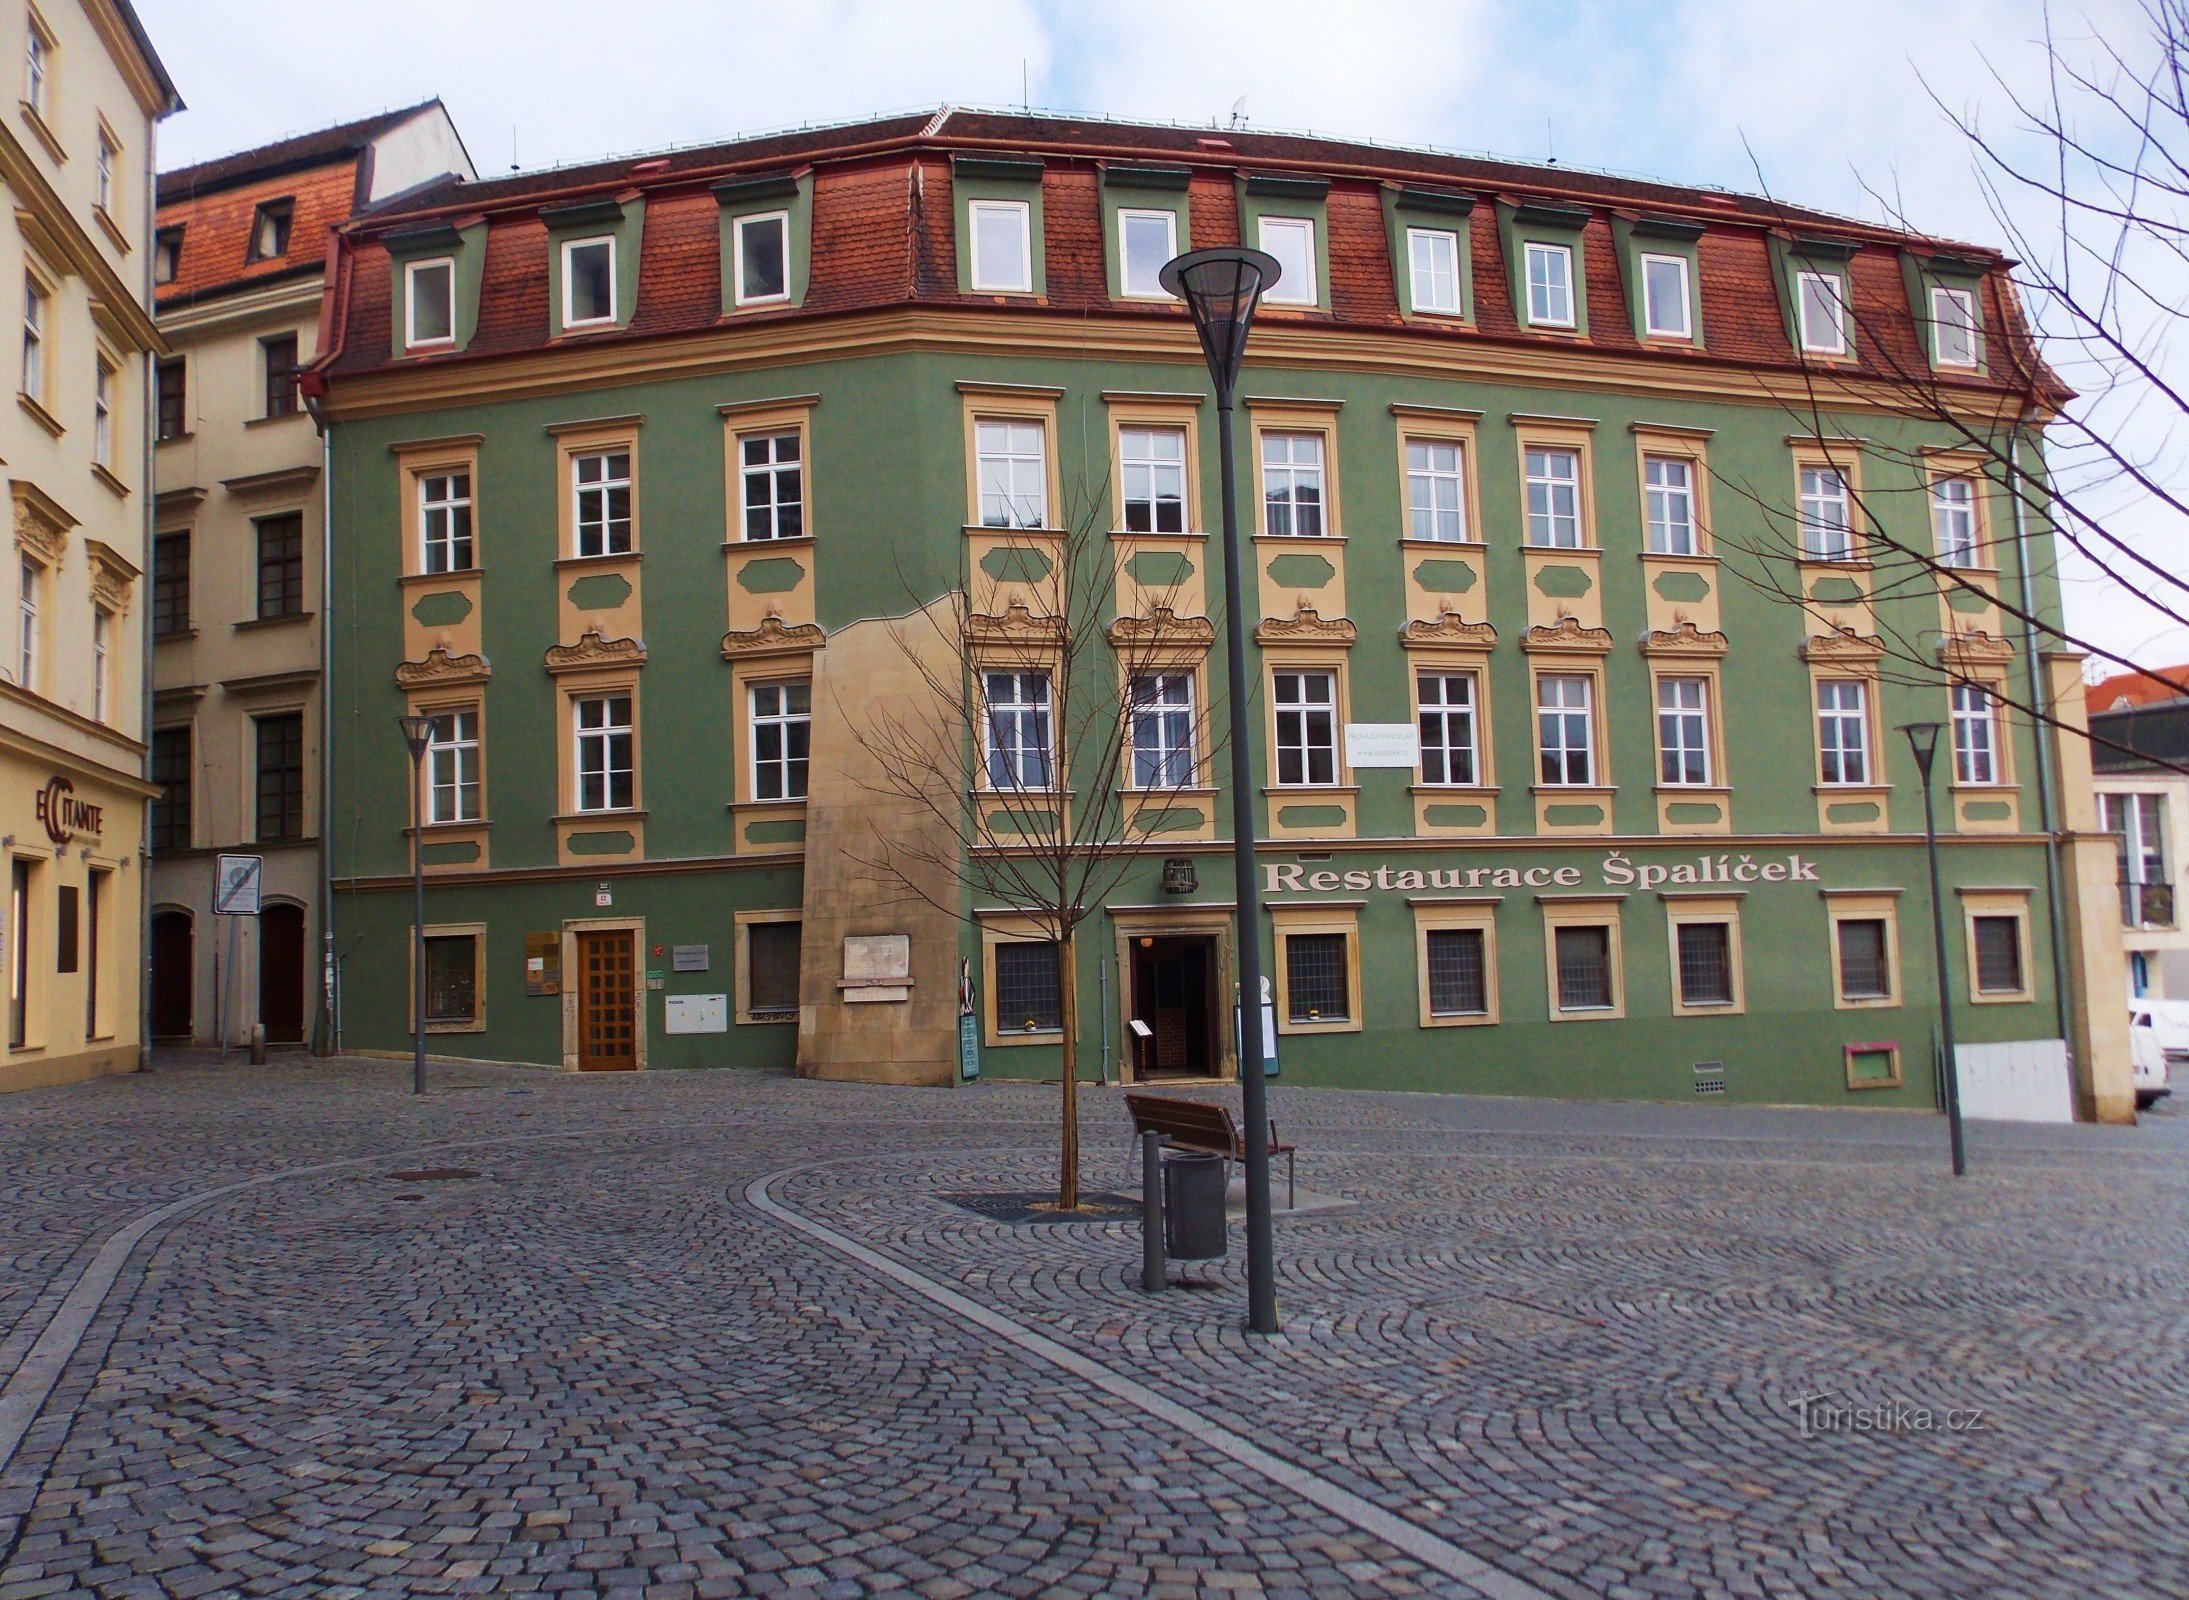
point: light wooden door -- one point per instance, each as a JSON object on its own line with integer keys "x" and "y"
{"x": 607, "y": 1002}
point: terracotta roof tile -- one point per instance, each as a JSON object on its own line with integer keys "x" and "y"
{"x": 2124, "y": 690}
{"x": 216, "y": 230}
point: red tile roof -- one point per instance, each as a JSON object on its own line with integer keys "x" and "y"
{"x": 2128, "y": 689}
{"x": 882, "y": 236}
{"x": 216, "y": 231}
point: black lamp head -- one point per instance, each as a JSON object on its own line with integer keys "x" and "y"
{"x": 1923, "y": 740}
{"x": 416, "y": 731}
{"x": 1221, "y": 288}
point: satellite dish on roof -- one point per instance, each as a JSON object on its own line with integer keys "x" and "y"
{"x": 1239, "y": 112}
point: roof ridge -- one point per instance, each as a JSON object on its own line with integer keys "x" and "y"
{"x": 337, "y": 139}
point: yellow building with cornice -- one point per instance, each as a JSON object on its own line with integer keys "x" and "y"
{"x": 76, "y": 157}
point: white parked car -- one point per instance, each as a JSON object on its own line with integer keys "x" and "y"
{"x": 2158, "y": 1042}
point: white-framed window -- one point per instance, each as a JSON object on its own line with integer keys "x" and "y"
{"x": 1565, "y": 729}
{"x": 1827, "y": 520}
{"x": 452, "y": 766}
{"x": 26, "y": 620}
{"x": 782, "y": 729}
{"x": 771, "y": 479}
{"x": 1953, "y": 327}
{"x": 1554, "y": 499}
{"x": 1152, "y": 464}
{"x": 1975, "y": 735}
{"x": 1307, "y": 727}
{"x": 1822, "y": 299}
{"x": 444, "y": 521}
{"x": 102, "y": 644}
{"x": 2138, "y": 825}
{"x": 1447, "y": 727}
{"x": 1003, "y": 248}
{"x": 604, "y": 751}
{"x": 166, "y": 255}
{"x": 1668, "y": 493}
{"x": 34, "y": 338}
{"x": 588, "y": 282}
{"x": 1953, "y": 521}
{"x": 1018, "y": 728}
{"x": 600, "y": 488}
{"x": 429, "y": 302}
{"x": 1145, "y": 241}
{"x": 1550, "y": 285}
{"x": 1292, "y": 484}
{"x": 1432, "y": 258}
{"x": 1162, "y": 730}
{"x": 37, "y": 67}
{"x": 270, "y": 226}
{"x": 1843, "y": 731}
{"x": 1683, "y": 731}
{"x": 1013, "y": 462}
{"x": 1436, "y": 490}
{"x": 102, "y": 413}
{"x": 1292, "y": 241}
{"x": 760, "y": 246}
{"x": 1666, "y": 302}
{"x": 103, "y": 173}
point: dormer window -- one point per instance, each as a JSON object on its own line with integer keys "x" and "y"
{"x": 1292, "y": 241}
{"x": 763, "y": 258}
{"x": 430, "y": 303}
{"x": 1550, "y": 285}
{"x": 166, "y": 255}
{"x": 1002, "y": 248}
{"x": 1953, "y": 327}
{"x": 1665, "y": 297}
{"x": 270, "y": 230}
{"x": 1823, "y": 303}
{"x": 588, "y": 282}
{"x": 1145, "y": 241}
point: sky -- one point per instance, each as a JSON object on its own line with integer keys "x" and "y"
{"x": 1728, "y": 92}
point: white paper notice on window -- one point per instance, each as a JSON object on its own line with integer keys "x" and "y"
{"x": 1382, "y": 744}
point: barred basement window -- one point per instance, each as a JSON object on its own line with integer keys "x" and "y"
{"x": 1029, "y": 996}
{"x": 1706, "y": 964}
{"x": 1864, "y": 970}
{"x": 1998, "y": 955}
{"x": 1315, "y": 979}
{"x": 1457, "y": 973}
{"x": 452, "y": 978}
{"x": 771, "y": 970}
{"x": 1584, "y": 969}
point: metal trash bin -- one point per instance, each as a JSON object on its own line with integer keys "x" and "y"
{"x": 1194, "y": 1226}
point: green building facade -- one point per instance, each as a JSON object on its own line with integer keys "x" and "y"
{"x": 676, "y": 492}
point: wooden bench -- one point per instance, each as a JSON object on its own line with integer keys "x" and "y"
{"x": 1204, "y": 1125}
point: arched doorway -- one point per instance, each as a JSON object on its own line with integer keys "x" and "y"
{"x": 281, "y": 973}
{"x": 173, "y": 975}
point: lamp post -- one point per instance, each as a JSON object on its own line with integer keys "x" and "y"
{"x": 1221, "y": 288}
{"x": 1923, "y": 740}
{"x": 416, "y": 731}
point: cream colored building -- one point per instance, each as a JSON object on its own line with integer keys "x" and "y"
{"x": 85, "y": 93}
{"x": 234, "y": 572}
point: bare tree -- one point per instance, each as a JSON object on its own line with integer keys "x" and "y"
{"x": 1061, "y": 715}
{"x": 2090, "y": 193}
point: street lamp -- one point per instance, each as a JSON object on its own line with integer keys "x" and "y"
{"x": 1221, "y": 289}
{"x": 416, "y": 731}
{"x": 1923, "y": 740}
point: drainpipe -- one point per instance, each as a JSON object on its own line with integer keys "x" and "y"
{"x": 330, "y": 1029}
{"x": 2042, "y": 731}
{"x": 148, "y": 447}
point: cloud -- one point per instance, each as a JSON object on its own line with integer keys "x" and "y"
{"x": 1827, "y": 101}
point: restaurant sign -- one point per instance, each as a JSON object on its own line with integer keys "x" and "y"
{"x": 1614, "y": 871}
{"x": 66, "y": 817}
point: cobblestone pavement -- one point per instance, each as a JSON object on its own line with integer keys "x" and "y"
{"x": 537, "y": 1337}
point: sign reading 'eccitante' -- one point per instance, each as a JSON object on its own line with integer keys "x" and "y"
{"x": 1614, "y": 871}
{"x": 66, "y": 817}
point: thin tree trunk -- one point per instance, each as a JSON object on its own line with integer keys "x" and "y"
{"x": 1067, "y": 1188}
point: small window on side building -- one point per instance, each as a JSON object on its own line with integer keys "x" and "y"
{"x": 270, "y": 230}
{"x": 762, "y": 248}
{"x": 429, "y": 298}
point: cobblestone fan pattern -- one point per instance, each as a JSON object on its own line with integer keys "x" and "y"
{"x": 1572, "y": 1340}
{"x": 1565, "y": 1339}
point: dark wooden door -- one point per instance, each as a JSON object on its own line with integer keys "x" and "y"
{"x": 172, "y": 974}
{"x": 281, "y": 973}
{"x": 607, "y": 1002}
